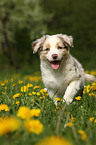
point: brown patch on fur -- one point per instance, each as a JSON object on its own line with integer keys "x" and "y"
{"x": 47, "y": 46}
{"x": 66, "y": 46}
{"x": 43, "y": 55}
{"x": 59, "y": 45}
{"x": 44, "y": 51}
{"x": 65, "y": 53}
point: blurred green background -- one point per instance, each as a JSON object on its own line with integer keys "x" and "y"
{"x": 23, "y": 21}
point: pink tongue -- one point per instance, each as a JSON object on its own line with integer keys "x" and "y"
{"x": 55, "y": 65}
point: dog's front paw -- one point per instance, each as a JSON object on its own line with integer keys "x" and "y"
{"x": 45, "y": 89}
{"x": 67, "y": 100}
{"x": 55, "y": 102}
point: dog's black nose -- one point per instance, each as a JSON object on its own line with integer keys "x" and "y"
{"x": 54, "y": 56}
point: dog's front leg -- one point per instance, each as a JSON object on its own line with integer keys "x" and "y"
{"x": 71, "y": 91}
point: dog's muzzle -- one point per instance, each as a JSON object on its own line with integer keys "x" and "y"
{"x": 55, "y": 64}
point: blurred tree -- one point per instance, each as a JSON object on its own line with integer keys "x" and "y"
{"x": 76, "y": 18}
{"x": 20, "y": 22}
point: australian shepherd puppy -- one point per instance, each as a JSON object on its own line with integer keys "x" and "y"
{"x": 62, "y": 74}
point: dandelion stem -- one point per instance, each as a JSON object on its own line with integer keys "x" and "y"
{"x": 75, "y": 134}
{"x": 59, "y": 119}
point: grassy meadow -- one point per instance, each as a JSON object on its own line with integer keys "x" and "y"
{"x": 29, "y": 117}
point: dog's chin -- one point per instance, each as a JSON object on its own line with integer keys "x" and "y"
{"x": 55, "y": 64}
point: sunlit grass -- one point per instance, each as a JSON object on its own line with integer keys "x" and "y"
{"x": 29, "y": 116}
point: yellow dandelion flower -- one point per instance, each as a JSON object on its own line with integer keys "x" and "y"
{"x": 35, "y": 112}
{"x": 72, "y": 118}
{"x": 24, "y": 89}
{"x": 33, "y": 93}
{"x": 34, "y": 126}
{"x": 58, "y": 108}
{"x": 2, "y": 84}
{"x": 95, "y": 121}
{"x": 54, "y": 140}
{"x": 92, "y": 94}
{"x": 83, "y": 135}
{"x": 43, "y": 91}
{"x": 14, "y": 85}
{"x": 12, "y": 80}
{"x": 16, "y": 95}
{"x": 6, "y": 81}
{"x": 4, "y": 107}
{"x": 88, "y": 88}
{"x": 93, "y": 84}
{"x": 38, "y": 94}
{"x": 36, "y": 87}
{"x": 80, "y": 131}
{"x": 78, "y": 98}
{"x": 42, "y": 97}
{"x": 17, "y": 103}
{"x": 20, "y": 82}
{"x": 36, "y": 78}
{"x": 57, "y": 99}
{"x": 30, "y": 94}
{"x": 84, "y": 91}
{"x": 29, "y": 85}
{"x": 87, "y": 72}
{"x": 5, "y": 88}
{"x": 93, "y": 72}
{"x": 93, "y": 88}
{"x": 46, "y": 94}
{"x": 3, "y": 92}
{"x": 32, "y": 78}
{"x": 91, "y": 119}
{"x": 69, "y": 124}
{"x": 24, "y": 112}
{"x": 9, "y": 124}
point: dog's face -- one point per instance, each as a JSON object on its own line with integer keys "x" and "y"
{"x": 53, "y": 48}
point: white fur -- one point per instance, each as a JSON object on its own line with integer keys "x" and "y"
{"x": 64, "y": 80}
{"x": 69, "y": 78}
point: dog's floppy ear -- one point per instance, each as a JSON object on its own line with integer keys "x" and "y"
{"x": 67, "y": 39}
{"x": 37, "y": 44}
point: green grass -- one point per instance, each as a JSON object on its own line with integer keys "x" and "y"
{"x": 52, "y": 117}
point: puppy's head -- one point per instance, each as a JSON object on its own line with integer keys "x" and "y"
{"x": 53, "y": 48}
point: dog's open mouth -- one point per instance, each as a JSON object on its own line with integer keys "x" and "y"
{"x": 55, "y": 64}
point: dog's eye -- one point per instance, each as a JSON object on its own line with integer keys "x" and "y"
{"x": 60, "y": 47}
{"x": 47, "y": 49}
